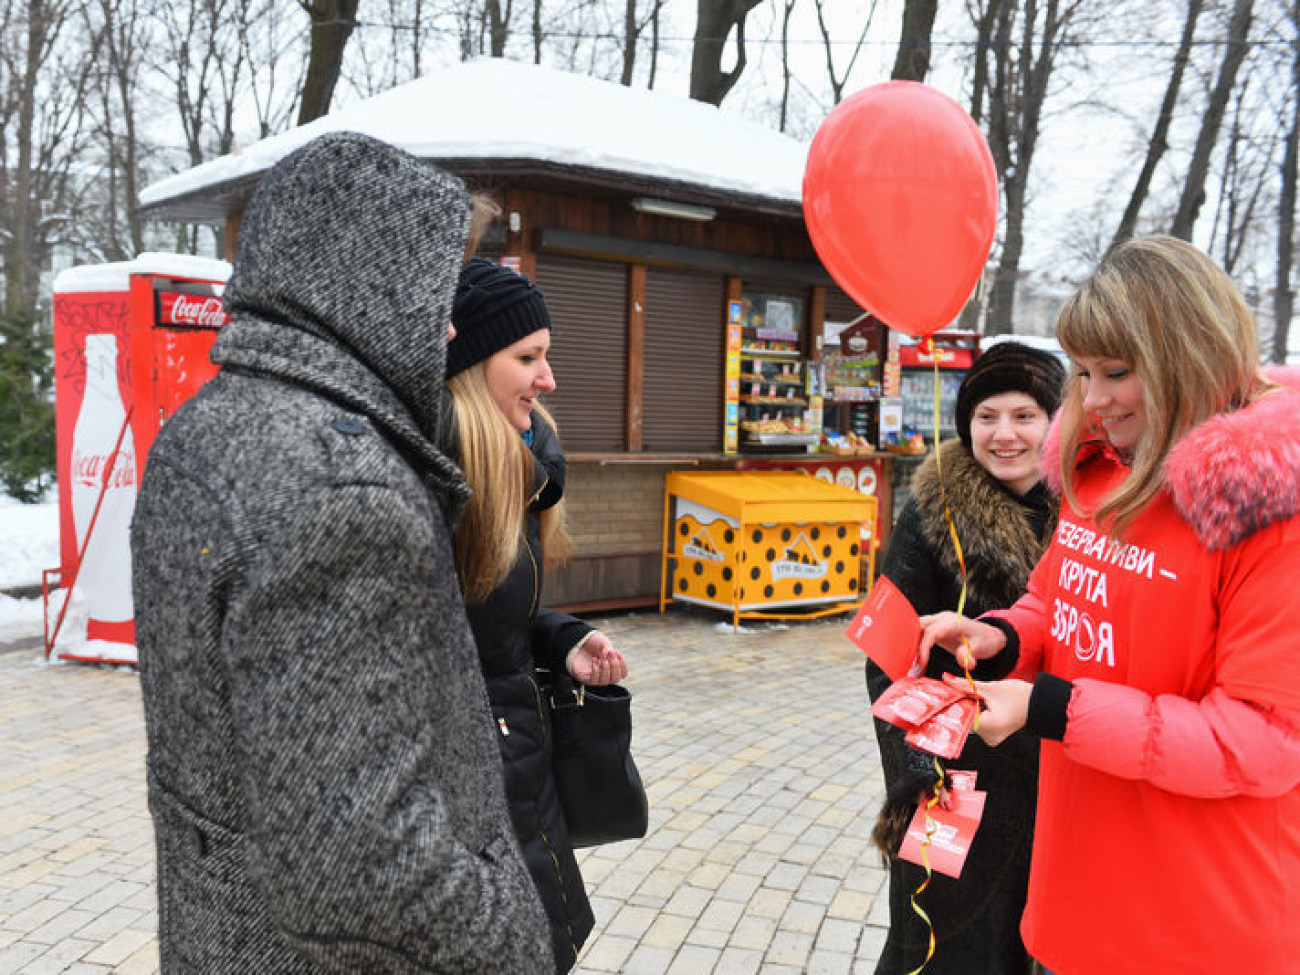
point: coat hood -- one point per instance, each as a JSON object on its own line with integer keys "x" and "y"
{"x": 343, "y": 280}
{"x": 1234, "y": 474}
{"x": 999, "y": 547}
{"x": 1239, "y": 472}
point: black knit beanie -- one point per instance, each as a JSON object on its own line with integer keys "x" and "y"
{"x": 1009, "y": 367}
{"x": 495, "y": 307}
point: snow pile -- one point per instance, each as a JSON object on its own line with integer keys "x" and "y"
{"x": 29, "y": 538}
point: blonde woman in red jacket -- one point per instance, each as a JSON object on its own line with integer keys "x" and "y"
{"x": 1158, "y": 647}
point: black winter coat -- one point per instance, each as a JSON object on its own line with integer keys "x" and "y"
{"x": 515, "y": 636}
{"x": 976, "y": 918}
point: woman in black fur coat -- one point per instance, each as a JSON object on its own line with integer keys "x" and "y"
{"x": 1004, "y": 517}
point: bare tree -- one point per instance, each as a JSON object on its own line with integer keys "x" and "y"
{"x": 269, "y": 45}
{"x": 987, "y": 16}
{"x": 1248, "y": 158}
{"x": 633, "y": 28}
{"x": 1159, "y": 141}
{"x": 332, "y": 23}
{"x": 43, "y": 114}
{"x": 122, "y": 49}
{"x": 787, "y": 10}
{"x": 1283, "y": 290}
{"x": 913, "y": 60}
{"x": 203, "y": 40}
{"x": 716, "y": 19}
{"x": 837, "y": 83}
{"x": 1234, "y": 53}
{"x": 1026, "y": 40}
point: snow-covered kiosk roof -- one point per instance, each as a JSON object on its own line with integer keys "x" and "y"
{"x": 504, "y": 118}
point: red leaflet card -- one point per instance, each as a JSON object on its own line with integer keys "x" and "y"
{"x": 944, "y": 734}
{"x": 950, "y": 833}
{"x": 963, "y": 780}
{"x": 887, "y": 629}
{"x": 909, "y": 702}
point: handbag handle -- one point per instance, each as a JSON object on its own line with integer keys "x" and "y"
{"x": 563, "y": 685}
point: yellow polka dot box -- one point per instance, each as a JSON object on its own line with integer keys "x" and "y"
{"x": 763, "y": 544}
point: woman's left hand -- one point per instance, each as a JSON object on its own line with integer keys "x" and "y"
{"x": 1006, "y": 707}
{"x": 596, "y": 662}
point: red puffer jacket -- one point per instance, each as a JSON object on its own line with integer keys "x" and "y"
{"x": 1168, "y": 831}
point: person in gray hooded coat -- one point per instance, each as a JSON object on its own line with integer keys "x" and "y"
{"x": 324, "y": 782}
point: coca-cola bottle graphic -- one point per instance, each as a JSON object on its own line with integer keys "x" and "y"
{"x": 104, "y": 579}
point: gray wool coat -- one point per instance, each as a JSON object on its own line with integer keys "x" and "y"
{"x": 324, "y": 780}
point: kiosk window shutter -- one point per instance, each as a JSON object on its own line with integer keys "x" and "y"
{"x": 840, "y": 307}
{"x": 685, "y": 339}
{"x": 588, "y": 305}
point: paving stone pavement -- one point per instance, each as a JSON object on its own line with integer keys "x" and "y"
{"x": 756, "y": 748}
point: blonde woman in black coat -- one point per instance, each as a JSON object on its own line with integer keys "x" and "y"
{"x": 506, "y": 444}
{"x": 1004, "y": 517}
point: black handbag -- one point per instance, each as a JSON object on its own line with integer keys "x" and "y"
{"x": 599, "y": 786}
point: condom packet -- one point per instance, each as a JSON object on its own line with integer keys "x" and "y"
{"x": 912, "y": 701}
{"x": 944, "y": 733}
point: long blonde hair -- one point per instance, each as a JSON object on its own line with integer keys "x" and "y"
{"x": 1175, "y": 318}
{"x": 499, "y": 468}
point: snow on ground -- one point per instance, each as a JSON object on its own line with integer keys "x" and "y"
{"x": 29, "y": 540}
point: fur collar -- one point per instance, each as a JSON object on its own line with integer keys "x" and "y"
{"x": 1234, "y": 474}
{"x": 999, "y": 546}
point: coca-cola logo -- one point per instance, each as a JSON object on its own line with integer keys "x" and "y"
{"x": 196, "y": 311}
{"x": 88, "y": 469}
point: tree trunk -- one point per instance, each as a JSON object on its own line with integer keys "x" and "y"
{"x": 716, "y": 18}
{"x": 987, "y": 20}
{"x": 913, "y": 60}
{"x": 332, "y": 22}
{"x": 537, "y": 31}
{"x": 654, "y": 44}
{"x": 1002, "y": 296}
{"x": 1015, "y": 113}
{"x": 21, "y": 273}
{"x": 1283, "y": 293}
{"x": 1193, "y": 196}
{"x": 1160, "y": 135}
{"x": 785, "y": 63}
{"x": 498, "y": 27}
{"x": 630, "y": 31}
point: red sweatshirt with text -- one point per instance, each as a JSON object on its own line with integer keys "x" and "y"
{"x": 1168, "y": 829}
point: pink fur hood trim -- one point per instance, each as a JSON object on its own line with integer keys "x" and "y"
{"x": 1234, "y": 474}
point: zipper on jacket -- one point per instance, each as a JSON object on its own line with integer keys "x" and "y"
{"x": 532, "y": 557}
{"x": 532, "y": 607}
{"x": 546, "y": 479}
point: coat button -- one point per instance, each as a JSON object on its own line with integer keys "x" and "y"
{"x": 349, "y": 426}
{"x": 194, "y": 842}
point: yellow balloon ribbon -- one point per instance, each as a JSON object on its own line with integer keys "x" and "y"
{"x": 931, "y": 826}
{"x": 929, "y": 347}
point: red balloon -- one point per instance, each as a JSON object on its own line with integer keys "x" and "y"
{"x": 901, "y": 200}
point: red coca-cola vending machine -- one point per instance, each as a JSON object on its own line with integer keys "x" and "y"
{"x": 131, "y": 343}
